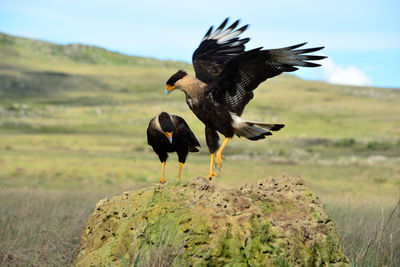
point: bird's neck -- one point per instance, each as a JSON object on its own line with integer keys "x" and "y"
{"x": 191, "y": 86}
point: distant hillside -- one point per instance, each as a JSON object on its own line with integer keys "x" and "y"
{"x": 11, "y": 47}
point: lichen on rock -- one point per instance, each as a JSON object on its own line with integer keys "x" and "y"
{"x": 274, "y": 222}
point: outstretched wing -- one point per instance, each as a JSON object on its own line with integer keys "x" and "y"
{"x": 182, "y": 130}
{"x": 245, "y": 72}
{"x": 216, "y": 49}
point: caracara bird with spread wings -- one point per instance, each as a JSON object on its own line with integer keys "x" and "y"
{"x": 170, "y": 133}
{"x": 226, "y": 76}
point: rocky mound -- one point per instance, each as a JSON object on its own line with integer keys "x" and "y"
{"x": 274, "y": 222}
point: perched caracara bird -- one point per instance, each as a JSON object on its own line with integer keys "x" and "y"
{"x": 226, "y": 76}
{"x": 170, "y": 133}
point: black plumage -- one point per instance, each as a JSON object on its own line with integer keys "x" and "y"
{"x": 170, "y": 133}
{"x": 226, "y": 76}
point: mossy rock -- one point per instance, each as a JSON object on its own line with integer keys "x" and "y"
{"x": 274, "y": 222}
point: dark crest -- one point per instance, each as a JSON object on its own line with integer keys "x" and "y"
{"x": 177, "y": 76}
{"x": 165, "y": 122}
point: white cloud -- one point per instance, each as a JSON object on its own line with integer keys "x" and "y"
{"x": 343, "y": 75}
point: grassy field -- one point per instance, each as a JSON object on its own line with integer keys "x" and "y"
{"x": 72, "y": 131}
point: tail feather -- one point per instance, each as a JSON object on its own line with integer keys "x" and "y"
{"x": 254, "y": 130}
{"x": 193, "y": 149}
{"x": 269, "y": 126}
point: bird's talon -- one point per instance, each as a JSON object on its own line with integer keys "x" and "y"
{"x": 211, "y": 174}
{"x": 162, "y": 181}
{"x": 218, "y": 159}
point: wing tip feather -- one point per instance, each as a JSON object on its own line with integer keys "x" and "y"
{"x": 223, "y": 24}
{"x": 208, "y": 33}
{"x": 233, "y": 26}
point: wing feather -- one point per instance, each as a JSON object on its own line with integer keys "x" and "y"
{"x": 245, "y": 72}
{"x": 184, "y": 132}
{"x": 216, "y": 49}
{"x": 219, "y": 29}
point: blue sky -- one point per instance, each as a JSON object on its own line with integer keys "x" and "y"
{"x": 362, "y": 38}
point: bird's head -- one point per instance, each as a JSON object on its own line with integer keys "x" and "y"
{"x": 173, "y": 81}
{"x": 166, "y": 125}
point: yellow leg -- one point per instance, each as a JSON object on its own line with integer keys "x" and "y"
{"x": 180, "y": 170}
{"x": 219, "y": 157}
{"x": 162, "y": 180}
{"x": 211, "y": 173}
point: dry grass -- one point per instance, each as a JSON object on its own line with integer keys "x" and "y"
{"x": 167, "y": 252}
{"x": 370, "y": 235}
{"x": 42, "y": 228}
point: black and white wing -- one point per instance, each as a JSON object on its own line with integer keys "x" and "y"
{"x": 245, "y": 72}
{"x": 216, "y": 49}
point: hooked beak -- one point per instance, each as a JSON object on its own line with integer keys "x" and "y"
{"x": 169, "y": 89}
{"x": 169, "y": 136}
